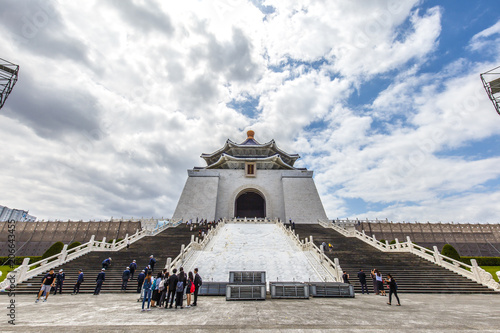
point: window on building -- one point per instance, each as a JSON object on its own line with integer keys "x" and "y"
{"x": 250, "y": 169}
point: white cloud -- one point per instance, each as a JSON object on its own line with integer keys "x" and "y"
{"x": 116, "y": 99}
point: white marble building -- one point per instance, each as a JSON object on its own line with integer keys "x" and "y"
{"x": 250, "y": 180}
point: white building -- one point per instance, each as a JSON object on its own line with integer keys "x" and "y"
{"x": 250, "y": 180}
{"x": 9, "y": 214}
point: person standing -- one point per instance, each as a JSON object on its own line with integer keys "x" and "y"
{"x": 197, "y": 284}
{"x": 140, "y": 280}
{"x": 164, "y": 289}
{"x": 152, "y": 262}
{"x": 345, "y": 277}
{"x": 79, "y": 280}
{"x": 125, "y": 278}
{"x": 172, "y": 284}
{"x": 101, "y": 277}
{"x": 362, "y": 281}
{"x": 48, "y": 282}
{"x": 60, "y": 277}
{"x": 179, "y": 289}
{"x": 133, "y": 267}
{"x": 189, "y": 289}
{"x": 147, "y": 284}
{"x": 393, "y": 288}
{"x": 380, "y": 283}
{"x": 373, "y": 275}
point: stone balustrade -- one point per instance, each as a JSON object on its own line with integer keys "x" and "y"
{"x": 27, "y": 270}
{"x": 472, "y": 272}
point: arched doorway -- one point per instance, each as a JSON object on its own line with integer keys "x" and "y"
{"x": 250, "y": 204}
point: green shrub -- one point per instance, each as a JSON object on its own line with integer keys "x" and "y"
{"x": 56, "y": 248}
{"x": 392, "y": 242}
{"x": 74, "y": 244}
{"x": 483, "y": 261}
{"x": 382, "y": 241}
{"x": 450, "y": 251}
{"x": 19, "y": 260}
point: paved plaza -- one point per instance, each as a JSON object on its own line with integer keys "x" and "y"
{"x": 121, "y": 313}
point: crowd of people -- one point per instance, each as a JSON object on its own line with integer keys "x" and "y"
{"x": 378, "y": 284}
{"x": 161, "y": 291}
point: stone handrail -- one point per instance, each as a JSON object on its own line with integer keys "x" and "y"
{"x": 332, "y": 267}
{"x": 26, "y": 270}
{"x": 195, "y": 245}
{"x": 472, "y": 272}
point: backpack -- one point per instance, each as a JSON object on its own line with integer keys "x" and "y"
{"x": 180, "y": 287}
{"x": 192, "y": 288}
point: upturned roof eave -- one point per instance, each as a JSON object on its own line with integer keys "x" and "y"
{"x": 274, "y": 158}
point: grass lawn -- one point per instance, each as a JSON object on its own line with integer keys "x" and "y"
{"x": 492, "y": 270}
{"x": 5, "y": 270}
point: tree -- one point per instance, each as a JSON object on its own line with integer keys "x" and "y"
{"x": 450, "y": 251}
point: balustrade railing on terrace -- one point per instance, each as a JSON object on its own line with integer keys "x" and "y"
{"x": 27, "y": 270}
{"x": 473, "y": 271}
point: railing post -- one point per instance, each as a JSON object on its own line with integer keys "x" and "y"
{"x": 192, "y": 238}
{"x": 338, "y": 271}
{"x": 103, "y": 242}
{"x": 113, "y": 244}
{"x": 167, "y": 265}
{"x": 91, "y": 241}
{"x": 182, "y": 251}
{"x": 311, "y": 238}
{"x": 64, "y": 253}
{"x": 23, "y": 269}
{"x": 437, "y": 258}
{"x": 475, "y": 270}
{"x": 410, "y": 244}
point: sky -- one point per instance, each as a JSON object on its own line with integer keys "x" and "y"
{"x": 116, "y": 99}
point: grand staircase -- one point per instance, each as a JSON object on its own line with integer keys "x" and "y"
{"x": 412, "y": 273}
{"x": 166, "y": 244}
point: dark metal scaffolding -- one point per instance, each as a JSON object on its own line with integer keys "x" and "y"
{"x": 8, "y": 78}
{"x": 491, "y": 83}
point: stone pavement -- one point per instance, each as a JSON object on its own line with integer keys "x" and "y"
{"x": 121, "y": 313}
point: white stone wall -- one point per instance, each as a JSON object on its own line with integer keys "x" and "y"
{"x": 302, "y": 201}
{"x": 233, "y": 182}
{"x": 211, "y": 194}
{"x": 199, "y": 196}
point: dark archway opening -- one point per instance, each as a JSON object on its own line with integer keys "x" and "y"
{"x": 250, "y": 204}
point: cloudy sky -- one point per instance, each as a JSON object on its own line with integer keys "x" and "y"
{"x": 382, "y": 99}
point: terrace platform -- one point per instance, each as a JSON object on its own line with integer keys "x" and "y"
{"x": 121, "y": 313}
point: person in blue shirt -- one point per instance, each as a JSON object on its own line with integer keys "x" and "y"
{"x": 101, "y": 277}
{"x": 106, "y": 263}
{"x": 140, "y": 280}
{"x": 125, "y": 278}
{"x": 152, "y": 262}
{"x": 60, "y": 277}
{"x": 79, "y": 280}
{"x": 133, "y": 267}
{"x": 147, "y": 285}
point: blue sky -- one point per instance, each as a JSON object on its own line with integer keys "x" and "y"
{"x": 382, "y": 99}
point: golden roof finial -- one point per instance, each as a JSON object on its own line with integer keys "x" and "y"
{"x": 250, "y": 134}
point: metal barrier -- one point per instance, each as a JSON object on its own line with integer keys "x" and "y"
{"x": 289, "y": 290}
{"x": 213, "y": 289}
{"x": 239, "y": 292}
{"x": 331, "y": 289}
{"x": 247, "y": 277}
